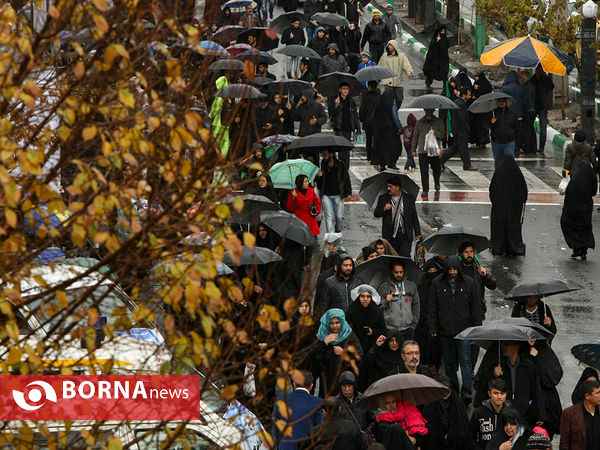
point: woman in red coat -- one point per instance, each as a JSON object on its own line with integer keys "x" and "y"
{"x": 300, "y": 202}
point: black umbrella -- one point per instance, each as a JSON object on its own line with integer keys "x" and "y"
{"x": 432, "y": 101}
{"x": 413, "y": 388}
{"x": 228, "y": 33}
{"x": 328, "y": 85}
{"x": 325, "y": 18}
{"x": 588, "y": 353}
{"x": 542, "y": 287}
{"x": 298, "y": 50}
{"x": 252, "y": 256}
{"x": 372, "y": 187}
{"x": 239, "y": 91}
{"x": 253, "y": 206}
{"x": 226, "y": 64}
{"x": 446, "y": 240}
{"x": 289, "y": 87}
{"x": 374, "y": 73}
{"x": 288, "y": 226}
{"x": 285, "y": 20}
{"x": 261, "y": 81}
{"x": 257, "y": 56}
{"x": 522, "y": 321}
{"x": 322, "y": 141}
{"x": 266, "y": 38}
{"x": 377, "y": 270}
{"x": 489, "y": 102}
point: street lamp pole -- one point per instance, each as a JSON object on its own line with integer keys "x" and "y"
{"x": 588, "y": 69}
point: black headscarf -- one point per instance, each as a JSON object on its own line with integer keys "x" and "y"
{"x": 268, "y": 191}
{"x": 485, "y": 87}
{"x": 381, "y": 361}
{"x": 463, "y": 80}
{"x": 299, "y": 182}
{"x": 508, "y": 188}
{"x": 271, "y": 241}
{"x": 577, "y": 395}
{"x": 576, "y": 217}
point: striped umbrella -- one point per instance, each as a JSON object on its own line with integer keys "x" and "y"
{"x": 239, "y": 6}
{"x": 210, "y": 48}
{"x": 527, "y": 52}
{"x": 236, "y": 49}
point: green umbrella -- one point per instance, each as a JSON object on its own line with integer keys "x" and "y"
{"x": 284, "y": 174}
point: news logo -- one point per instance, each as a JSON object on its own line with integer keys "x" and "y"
{"x": 35, "y": 396}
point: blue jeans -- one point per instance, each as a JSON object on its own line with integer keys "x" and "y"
{"x": 543, "y": 115}
{"x": 451, "y": 349}
{"x": 333, "y": 212}
{"x": 311, "y": 31}
{"x": 499, "y": 150}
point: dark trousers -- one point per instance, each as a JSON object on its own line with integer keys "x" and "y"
{"x": 376, "y": 51}
{"x": 529, "y": 139}
{"x": 370, "y": 143}
{"x": 424, "y": 163}
{"x": 460, "y": 146}
{"x": 401, "y": 244}
{"x": 543, "y": 115}
{"x": 345, "y": 155}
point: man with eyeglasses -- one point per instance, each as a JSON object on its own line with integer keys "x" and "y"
{"x": 411, "y": 355}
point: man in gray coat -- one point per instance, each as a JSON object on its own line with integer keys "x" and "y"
{"x": 428, "y": 124}
{"x": 335, "y": 292}
{"x": 400, "y": 302}
{"x": 333, "y": 62}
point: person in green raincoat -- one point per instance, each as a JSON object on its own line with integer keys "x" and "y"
{"x": 220, "y": 131}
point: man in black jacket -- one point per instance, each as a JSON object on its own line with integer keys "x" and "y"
{"x": 293, "y": 35}
{"x": 487, "y": 419}
{"x": 310, "y": 114}
{"x": 318, "y": 43}
{"x": 460, "y": 131}
{"x": 454, "y": 305}
{"x": 307, "y": 75}
{"x": 543, "y": 101}
{"x": 377, "y": 34}
{"x": 335, "y": 291}
{"x": 264, "y": 117}
{"x": 334, "y": 185}
{"x": 503, "y": 126}
{"x": 366, "y": 114}
{"x": 400, "y": 221}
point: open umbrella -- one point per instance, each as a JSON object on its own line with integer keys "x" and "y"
{"x": 377, "y": 270}
{"x": 252, "y": 256}
{"x": 288, "y": 226}
{"x": 374, "y": 73}
{"x": 257, "y": 56}
{"x": 228, "y": 33}
{"x": 322, "y": 141}
{"x": 261, "y": 82}
{"x": 542, "y": 287}
{"x": 226, "y": 64}
{"x": 279, "y": 139}
{"x": 42, "y": 217}
{"x": 432, "y": 101}
{"x": 300, "y": 51}
{"x": 413, "y": 388}
{"x": 446, "y": 240}
{"x": 239, "y": 6}
{"x": 328, "y": 85}
{"x": 325, "y": 18}
{"x": 489, "y": 102}
{"x": 239, "y": 91}
{"x": 266, "y": 38}
{"x": 284, "y": 174}
{"x": 588, "y": 353}
{"x": 210, "y": 48}
{"x": 373, "y": 186}
{"x": 523, "y": 322}
{"x": 253, "y": 206}
{"x": 527, "y": 52}
{"x": 284, "y": 20}
{"x": 236, "y": 49}
{"x": 289, "y": 87}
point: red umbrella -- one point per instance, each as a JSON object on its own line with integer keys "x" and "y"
{"x": 236, "y": 49}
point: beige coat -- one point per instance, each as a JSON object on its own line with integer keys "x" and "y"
{"x": 398, "y": 63}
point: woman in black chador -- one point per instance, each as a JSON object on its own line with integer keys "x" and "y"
{"x": 437, "y": 61}
{"x": 576, "y": 217}
{"x": 508, "y": 194}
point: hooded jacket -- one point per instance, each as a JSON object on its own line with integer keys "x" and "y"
{"x": 376, "y": 33}
{"x": 319, "y": 45}
{"x": 484, "y": 422}
{"x": 452, "y": 312}
{"x": 403, "y": 311}
{"x": 515, "y": 89}
{"x": 335, "y": 63}
{"x": 305, "y": 112}
{"x": 408, "y": 131}
{"x": 348, "y": 407}
{"x": 399, "y": 63}
{"x": 336, "y": 292}
{"x": 576, "y": 153}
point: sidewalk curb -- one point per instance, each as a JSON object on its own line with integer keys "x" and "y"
{"x": 553, "y": 135}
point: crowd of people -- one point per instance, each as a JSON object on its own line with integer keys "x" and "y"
{"x": 359, "y": 331}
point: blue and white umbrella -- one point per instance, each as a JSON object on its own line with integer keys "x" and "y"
{"x": 239, "y": 6}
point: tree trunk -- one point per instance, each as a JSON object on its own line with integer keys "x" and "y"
{"x": 428, "y": 14}
{"x": 412, "y": 8}
{"x": 452, "y": 11}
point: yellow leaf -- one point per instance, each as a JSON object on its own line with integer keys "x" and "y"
{"x": 126, "y": 98}
{"x": 228, "y": 392}
{"x": 101, "y": 23}
{"x": 78, "y": 235}
{"x": 102, "y": 5}
{"x": 14, "y": 356}
{"x": 191, "y": 121}
{"x": 11, "y": 217}
{"x": 89, "y": 133}
{"x": 53, "y": 12}
{"x": 79, "y": 70}
{"x": 222, "y": 211}
{"x": 284, "y": 409}
{"x": 238, "y": 204}
{"x": 12, "y": 329}
{"x": 284, "y": 427}
{"x": 153, "y": 123}
{"x": 63, "y": 301}
{"x": 175, "y": 141}
{"x": 249, "y": 239}
{"x": 92, "y": 316}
